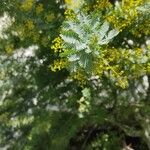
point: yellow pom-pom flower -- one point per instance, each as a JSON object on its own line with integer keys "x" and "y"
{"x": 39, "y": 9}
{"x": 27, "y": 5}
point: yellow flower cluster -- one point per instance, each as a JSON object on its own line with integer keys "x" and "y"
{"x": 131, "y": 3}
{"x": 57, "y": 45}
{"x": 102, "y": 4}
{"x": 29, "y": 24}
{"x": 143, "y": 28}
{"x": 69, "y": 2}
{"x": 99, "y": 67}
{"x": 138, "y": 52}
{"x": 125, "y": 54}
{"x": 123, "y": 16}
{"x": 39, "y": 9}
{"x": 9, "y": 48}
{"x": 80, "y": 77}
{"x": 118, "y": 75}
{"x": 131, "y": 58}
{"x": 58, "y": 65}
{"x": 74, "y": 4}
{"x": 138, "y": 70}
{"x": 113, "y": 55}
{"x": 70, "y": 15}
{"x": 27, "y": 5}
{"x": 117, "y": 23}
{"x": 108, "y": 63}
{"x": 49, "y": 17}
{"x": 122, "y": 82}
{"x": 28, "y": 28}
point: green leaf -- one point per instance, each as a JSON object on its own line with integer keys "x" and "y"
{"x": 74, "y": 57}
{"x": 112, "y": 34}
{"x": 67, "y": 52}
{"x": 103, "y": 30}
